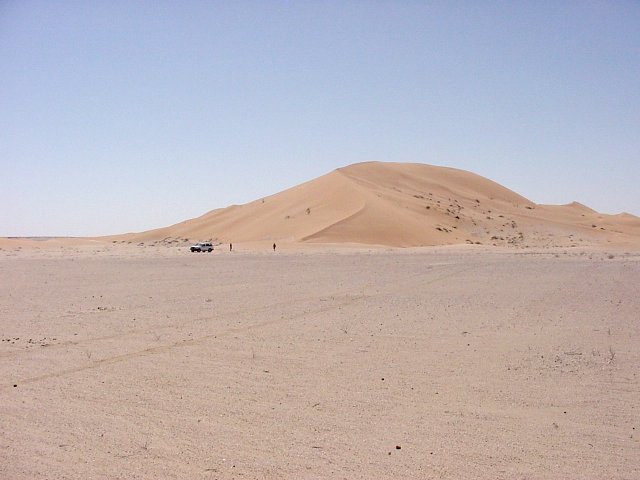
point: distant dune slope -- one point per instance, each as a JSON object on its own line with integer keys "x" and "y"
{"x": 398, "y": 204}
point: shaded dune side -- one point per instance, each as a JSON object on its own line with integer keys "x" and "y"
{"x": 415, "y": 204}
{"x": 385, "y": 218}
{"x": 376, "y": 224}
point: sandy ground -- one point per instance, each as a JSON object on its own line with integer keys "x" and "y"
{"x": 446, "y": 363}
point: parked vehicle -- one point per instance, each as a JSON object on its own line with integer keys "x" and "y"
{"x": 202, "y": 247}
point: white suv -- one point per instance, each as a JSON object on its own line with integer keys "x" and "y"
{"x": 202, "y": 247}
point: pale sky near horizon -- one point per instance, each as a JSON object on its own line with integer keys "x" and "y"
{"x": 123, "y": 116}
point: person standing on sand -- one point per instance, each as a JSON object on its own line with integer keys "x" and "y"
{"x": 274, "y": 247}
{"x": 230, "y": 246}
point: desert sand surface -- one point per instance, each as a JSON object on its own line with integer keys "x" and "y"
{"x": 466, "y": 362}
{"x": 401, "y": 205}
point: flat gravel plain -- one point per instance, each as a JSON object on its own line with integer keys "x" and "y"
{"x": 444, "y": 363}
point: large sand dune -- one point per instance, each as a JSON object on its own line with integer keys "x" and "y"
{"x": 402, "y": 205}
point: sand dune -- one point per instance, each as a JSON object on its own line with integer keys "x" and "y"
{"x": 392, "y": 204}
{"x": 402, "y": 205}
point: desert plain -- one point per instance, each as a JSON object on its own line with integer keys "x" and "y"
{"x": 453, "y": 362}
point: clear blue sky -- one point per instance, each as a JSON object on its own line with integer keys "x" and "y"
{"x": 122, "y": 116}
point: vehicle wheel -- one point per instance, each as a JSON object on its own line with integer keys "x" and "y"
{"x": 210, "y": 250}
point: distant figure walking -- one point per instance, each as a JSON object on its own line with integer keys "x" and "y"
{"x": 274, "y": 247}
{"x": 230, "y": 246}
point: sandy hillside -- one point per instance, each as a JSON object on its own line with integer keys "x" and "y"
{"x": 443, "y": 363}
{"x": 402, "y": 205}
